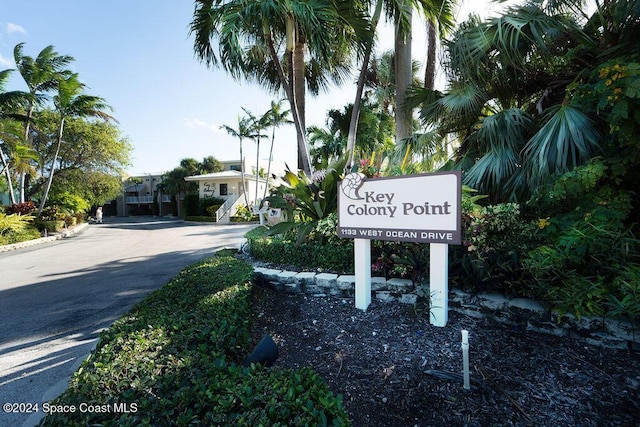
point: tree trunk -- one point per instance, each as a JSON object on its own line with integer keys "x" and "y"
{"x": 299, "y": 93}
{"x": 273, "y": 138}
{"x": 53, "y": 167}
{"x": 288, "y": 85}
{"x": 244, "y": 184}
{"x": 403, "y": 69}
{"x": 355, "y": 113}
{"x": 255, "y": 201}
{"x": 27, "y": 128}
{"x": 7, "y": 173}
{"x": 430, "y": 69}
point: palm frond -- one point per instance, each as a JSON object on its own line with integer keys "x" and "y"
{"x": 566, "y": 140}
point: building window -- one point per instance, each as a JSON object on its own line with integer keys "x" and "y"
{"x": 235, "y": 168}
{"x": 224, "y": 190}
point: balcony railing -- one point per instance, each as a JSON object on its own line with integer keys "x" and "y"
{"x": 146, "y": 199}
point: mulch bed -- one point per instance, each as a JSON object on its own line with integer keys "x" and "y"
{"x": 393, "y": 368}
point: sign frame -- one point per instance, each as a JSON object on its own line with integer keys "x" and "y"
{"x": 439, "y": 240}
{"x": 382, "y": 230}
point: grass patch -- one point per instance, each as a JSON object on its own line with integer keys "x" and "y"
{"x": 175, "y": 359}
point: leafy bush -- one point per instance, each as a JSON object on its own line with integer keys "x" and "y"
{"x": 308, "y": 254}
{"x": 26, "y": 208}
{"x": 305, "y": 201}
{"x": 191, "y": 205}
{"x": 199, "y": 218}
{"x": 50, "y": 226}
{"x": 80, "y": 217}
{"x": 244, "y": 214}
{"x": 589, "y": 253}
{"x": 16, "y": 228}
{"x": 14, "y": 222}
{"x": 211, "y": 210}
{"x": 209, "y": 205}
{"x": 69, "y": 202}
{"x": 175, "y": 358}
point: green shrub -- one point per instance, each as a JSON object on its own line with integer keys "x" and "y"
{"x": 244, "y": 214}
{"x": 51, "y": 226}
{"x": 70, "y": 220}
{"x": 80, "y": 217}
{"x": 209, "y": 205}
{"x": 176, "y": 357}
{"x": 309, "y": 254}
{"x": 211, "y": 210}
{"x": 26, "y": 208}
{"x": 70, "y": 202}
{"x": 200, "y": 218}
{"x": 16, "y": 228}
{"x": 191, "y": 205}
{"x": 305, "y": 201}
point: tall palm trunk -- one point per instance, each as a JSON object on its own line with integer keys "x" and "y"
{"x": 244, "y": 184}
{"x": 7, "y": 173}
{"x": 53, "y": 167}
{"x": 304, "y": 159}
{"x": 430, "y": 69}
{"x": 27, "y": 128}
{"x": 273, "y": 138}
{"x": 403, "y": 69}
{"x": 355, "y": 113}
{"x": 255, "y": 201}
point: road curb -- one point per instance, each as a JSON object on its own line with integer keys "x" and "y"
{"x": 63, "y": 234}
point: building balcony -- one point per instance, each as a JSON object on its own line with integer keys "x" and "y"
{"x": 134, "y": 200}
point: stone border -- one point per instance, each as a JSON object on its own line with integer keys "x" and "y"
{"x": 53, "y": 237}
{"x": 523, "y": 314}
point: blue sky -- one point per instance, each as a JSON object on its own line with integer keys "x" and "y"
{"x": 138, "y": 56}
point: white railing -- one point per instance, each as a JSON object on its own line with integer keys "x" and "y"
{"x": 147, "y": 199}
{"x": 226, "y": 210}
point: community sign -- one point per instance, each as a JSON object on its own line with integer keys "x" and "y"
{"x": 423, "y": 208}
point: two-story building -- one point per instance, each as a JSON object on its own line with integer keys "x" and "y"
{"x": 141, "y": 196}
{"x": 227, "y": 185}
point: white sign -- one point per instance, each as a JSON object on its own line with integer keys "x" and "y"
{"x": 415, "y": 208}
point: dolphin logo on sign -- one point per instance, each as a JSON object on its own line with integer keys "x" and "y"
{"x": 351, "y": 185}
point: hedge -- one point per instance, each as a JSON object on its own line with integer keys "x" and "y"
{"x": 174, "y": 359}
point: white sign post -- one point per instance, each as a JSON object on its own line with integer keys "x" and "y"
{"x": 423, "y": 208}
{"x": 362, "y": 265}
{"x": 439, "y": 283}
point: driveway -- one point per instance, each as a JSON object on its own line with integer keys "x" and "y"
{"x": 55, "y": 298}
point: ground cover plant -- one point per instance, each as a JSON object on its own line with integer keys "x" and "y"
{"x": 176, "y": 359}
{"x": 15, "y": 228}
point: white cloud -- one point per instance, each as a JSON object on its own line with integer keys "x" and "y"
{"x": 14, "y": 28}
{"x": 197, "y": 123}
{"x": 6, "y": 63}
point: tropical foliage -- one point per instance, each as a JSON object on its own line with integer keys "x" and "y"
{"x": 51, "y": 147}
{"x": 283, "y": 45}
{"x": 305, "y": 201}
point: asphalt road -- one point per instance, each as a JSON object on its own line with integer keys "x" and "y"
{"x": 55, "y": 298}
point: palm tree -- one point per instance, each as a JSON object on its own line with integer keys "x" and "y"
{"x": 327, "y": 145}
{"x": 257, "y": 125}
{"x": 173, "y": 183}
{"x": 40, "y": 75}
{"x": 70, "y": 101}
{"x": 10, "y": 103}
{"x": 243, "y": 131}
{"x": 401, "y": 11}
{"x": 274, "y": 117}
{"x": 282, "y": 44}
{"x": 210, "y": 165}
{"x": 513, "y": 94}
